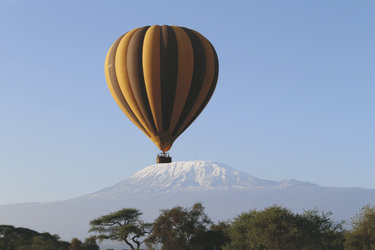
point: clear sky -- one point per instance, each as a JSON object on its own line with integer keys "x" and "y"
{"x": 295, "y": 97}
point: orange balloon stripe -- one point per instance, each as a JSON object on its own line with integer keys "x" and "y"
{"x": 151, "y": 73}
{"x": 114, "y": 88}
{"x": 209, "y": 95}
{"x": 206, "y": 84}
{"x": 184, "y": 76}
{"x": 162, "y": 77}
{"x": 197, "y": 79}
{"x": 136, "y": 79}
{"x": 123, "y": 78}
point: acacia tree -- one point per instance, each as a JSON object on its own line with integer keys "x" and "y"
{"x": 186, "y": 228}
{"x": 124, "y": 225}
{"x": 362, "y": 236}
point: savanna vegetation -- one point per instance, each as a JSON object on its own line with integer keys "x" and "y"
{"x": 187, "y": 228}
{"x": 274, "y": 227}
{"x": 179, "y": 228}
{"x": 362, "y": 235}
{"x": 19, "y": 238}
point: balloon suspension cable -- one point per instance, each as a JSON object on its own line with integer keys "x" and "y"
{"x": 163, "y": 157}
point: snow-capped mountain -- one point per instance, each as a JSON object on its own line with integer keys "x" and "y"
{"x": 180, "y": 176}
{"x": 224, "y": 191}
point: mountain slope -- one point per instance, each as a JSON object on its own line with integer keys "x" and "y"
{"x": 224, "y": 191}
{"x": 179, "y": 176}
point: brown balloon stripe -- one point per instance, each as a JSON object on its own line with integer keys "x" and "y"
{"x": 171, "y": 73}
{"x": 209, "y": 95}
{"x": 136, "y": 79}
{"x": 168, "y": 68}
{"x": 197, "y": 80}
{"x": 115, "y": 88}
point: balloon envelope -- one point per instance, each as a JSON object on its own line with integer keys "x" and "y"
{"x": 162, "y": 77}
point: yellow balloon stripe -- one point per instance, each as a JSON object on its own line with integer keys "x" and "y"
{"x": 136, "y": 78}
{"x": 185, "y": 74}
{"x": 109, "y": 69}
{"x": 138, "y": 62}
{"x": 151, "y": 73}
{"x": 123, "y": 78}
{"x": 207, "y": 82}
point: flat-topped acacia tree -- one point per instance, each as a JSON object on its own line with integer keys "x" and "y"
{"x": 124, "y": 225}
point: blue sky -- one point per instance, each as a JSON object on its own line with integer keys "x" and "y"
{"x": 295, "y": 97}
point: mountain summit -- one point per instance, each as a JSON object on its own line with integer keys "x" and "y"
{"x": 189, "y": 175}
{"x": 224, "y": 191}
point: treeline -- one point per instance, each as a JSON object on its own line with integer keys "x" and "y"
{"x": 19, "y": 238}
{"x": 274, "y": 227}
{"x": 179, "y": 228}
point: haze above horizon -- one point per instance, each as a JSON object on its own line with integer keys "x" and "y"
{"x": 295, "y": 98}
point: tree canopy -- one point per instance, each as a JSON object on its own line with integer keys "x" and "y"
{"x": 12, "y": 238}
{"x": 362, "y": 235}
{"x": 274, "y": 227}
{"x": 186, "y": 228}
{"x": 124, "y": 225}
{"x": 89, "y": 244}
{"x": 277, "y": 227}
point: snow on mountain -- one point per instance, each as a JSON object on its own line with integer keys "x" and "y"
{"x": 190, "y": 175}
{"x": 177, "y": 176}
{"x": 224, "y": 191}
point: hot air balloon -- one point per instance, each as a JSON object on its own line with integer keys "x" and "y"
{"x": 162, "y": 77}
